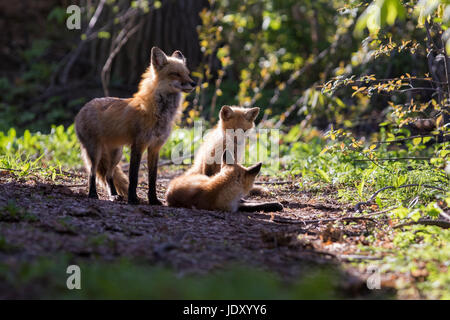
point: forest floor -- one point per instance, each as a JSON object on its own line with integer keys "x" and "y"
{"x": 44, "y": 218}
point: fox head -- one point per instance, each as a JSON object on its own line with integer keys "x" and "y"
{"x": 242, "y": 176}
{"x": 232, "y": 117}
{"x": 171, "y": 72}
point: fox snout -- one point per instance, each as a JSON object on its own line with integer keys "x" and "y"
{"x": 188, "y": 86}
{"x": 185, "y": 86}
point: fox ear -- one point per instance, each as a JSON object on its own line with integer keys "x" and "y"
{"x": 177, "y": 54}
{"x": 158, "y": 57}
{"x": 227, "y": 158}
{"x": 252, "y": 113}
{"x": 226, "y": 113}
{"x": 254, "y": 170}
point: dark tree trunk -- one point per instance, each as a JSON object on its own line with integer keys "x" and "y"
{"x": 171, "y": 27}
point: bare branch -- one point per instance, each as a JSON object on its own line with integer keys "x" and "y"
{"x": 74, "y": 56}
{"x": 117, "y": 44}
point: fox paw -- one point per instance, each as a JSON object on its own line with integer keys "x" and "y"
{"x": 134, "y": 201}
{"x": 116, "y": 198}
{"x": 258, "y": 191}
{"x": 154, "y": 202}
{"x": 274, "y": 206}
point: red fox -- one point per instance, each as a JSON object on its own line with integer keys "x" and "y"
{"x": 222, "y": 191}
{"x": 232, "y": 118}
{"x": 144, "y": 121}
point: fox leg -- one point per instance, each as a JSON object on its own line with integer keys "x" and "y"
{"x": 115, "y": 156}
{"x": 112, "y": 188}
{"x": 135, "y": 161}
{"x": 94, "y": 154}
{"x": 152, "y": 163}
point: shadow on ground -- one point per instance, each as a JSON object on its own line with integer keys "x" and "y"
{"x": 56, "y": 221}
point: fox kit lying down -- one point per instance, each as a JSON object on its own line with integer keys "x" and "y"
{"x": 222, "y": 191}
{"x": 144, "y": 121}
{"x": 206, "y": 160}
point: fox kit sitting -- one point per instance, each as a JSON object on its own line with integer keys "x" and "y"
{"x": 222, "y": 191}
{"x": 237, "y": 121}
{"x": 206, "y": 160}
{"x": 144, "y": 121}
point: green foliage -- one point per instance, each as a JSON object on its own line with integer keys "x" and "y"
{"x": 101, "y": 281}
{"x": 432, "y": 210}
{"x": 420, "y": 252}
{"x": 378, "y": 14}
{"x": 266, "y": 43}
{"x": 58, "y": 14}
{"x": 305, "y": 64}
{"x": 47, "y": 154}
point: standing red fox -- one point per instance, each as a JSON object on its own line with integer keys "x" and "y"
{"x": 144, "y": 121}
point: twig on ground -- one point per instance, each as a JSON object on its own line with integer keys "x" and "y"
{"x": 273, "y": 182}
{"x": 72, "y": 185}
{"x": 34, "y": 170}
{"x": 357, "y": 257}
{"x": 9, "y": 169}
{"x": 305, "y": 222}
{"x": 445, "y": 215}
{"x": 345, "y": 218}
{"x": 72, "y": 174}
{"x": 325, "y": 253}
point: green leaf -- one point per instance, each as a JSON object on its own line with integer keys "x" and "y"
{"x": 323, "y": 175}
{"x": 416, "y": 141}
{"x": 415, "y": 215}
{"x": 25, "y": 168}
{"x": 378, "y": 201}
{"x": 379, "y": 13}
{"x": 425, "y": 8}
{"x": 394, "y": 9}
{"x": 433, "y": 210}
{"x": 447, "y": 47}
{"x": 103, "y": 35}
{"x": 401, "y": 212}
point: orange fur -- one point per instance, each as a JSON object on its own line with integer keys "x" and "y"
{"x": 222, "y": 191}
{"x": 216, "y": 141}
{"x": 144, "y": 121}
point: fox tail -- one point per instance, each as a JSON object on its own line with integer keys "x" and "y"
{"x": 258, "y": 191}
{"x": 120, "y": 180}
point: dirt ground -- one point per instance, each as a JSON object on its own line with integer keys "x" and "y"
{"x": 57, "y": 217}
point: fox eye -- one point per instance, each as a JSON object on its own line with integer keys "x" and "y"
{"x": 175, "y": 74}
